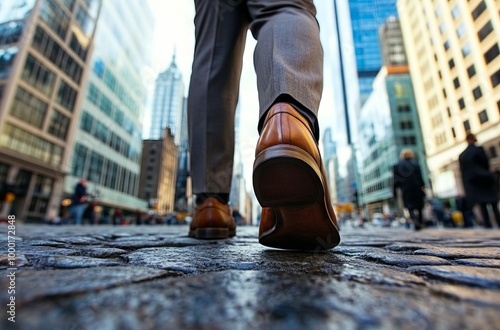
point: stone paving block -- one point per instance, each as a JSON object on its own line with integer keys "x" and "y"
{"x": 474, "y": 276}
{"x": 34, "y": 285}
{"x": 258, "y": 300}
{"x": 49, "y": 262}
{"x": 449, "y": 252}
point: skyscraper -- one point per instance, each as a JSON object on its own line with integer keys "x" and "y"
{"x": 168, "y": 102}
{"x": 366, "y": 18}
{"x": 108, "y": 142}
{"x": 45, "y": 50}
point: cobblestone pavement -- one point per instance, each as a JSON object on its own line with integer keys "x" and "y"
{"x": 155, "y": 277}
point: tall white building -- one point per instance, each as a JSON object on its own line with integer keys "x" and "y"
{"x": 108, "y": 143}
{"x": 453, "y": 50}
{"x": 168, "y": 103}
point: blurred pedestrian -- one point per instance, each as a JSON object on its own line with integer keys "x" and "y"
{"x": 138, "y": 217}
{"x": 78, "y": 202}
{"x": 117, "y": 217}
{"x": 288, "y": 177}
{"x": 478, "y": 181}
{"x": 408, "y": 179}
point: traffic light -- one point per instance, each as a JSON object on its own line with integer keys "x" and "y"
{"x": 7, "y": 193}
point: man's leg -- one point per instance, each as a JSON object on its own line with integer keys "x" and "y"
{"x": 288, "y": 177}
{"x": 220, "y": 30}
{"x": 79, "y": 209}
{"x": 288, "y": 57}
{"x": 485, "y": 214}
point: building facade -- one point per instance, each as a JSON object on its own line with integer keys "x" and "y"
{"x": 454, "y": 56}
{"x": 389, "y": 123}
{"x": 108, "y": 140}
{"x": 159, "y": 173}
{"x": 45, "y": 51}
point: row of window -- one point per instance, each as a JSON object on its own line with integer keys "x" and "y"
{"x": 103, "y": 171}
{"x": 32, "y": 110}
{"x": 57, "y": 55}
{"x": 26, "y": 143}
{"x": 111, "y": 110}
{"x": 101, "y": 132}
{"x": 99, "y": 68}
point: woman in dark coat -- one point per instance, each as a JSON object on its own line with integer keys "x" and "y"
{"x": 478, "y": 181}
{"x": 408, "y": 178}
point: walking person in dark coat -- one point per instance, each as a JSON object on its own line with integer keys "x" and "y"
{"x": 78, "y": 202}
{"x": 408, "y": 178}
{"x": 478, "y": 181}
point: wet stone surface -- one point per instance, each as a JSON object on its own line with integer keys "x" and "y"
{"x": 149, "y": 277}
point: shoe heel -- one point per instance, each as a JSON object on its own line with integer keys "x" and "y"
{"x": 286, "y": 175}
{"x": 212, "y": 233}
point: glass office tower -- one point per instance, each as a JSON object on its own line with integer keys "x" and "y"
{"x": 108, "y": 143}
{"x": 366, "y": 18}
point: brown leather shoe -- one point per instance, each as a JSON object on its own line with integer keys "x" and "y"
{"x": 212, "y": 220}
{"x": 290, "y": 183}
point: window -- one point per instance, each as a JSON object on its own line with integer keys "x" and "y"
{"x": 456, "y": 83}
{"x": 28, "y": 108}
{"x": 87, "y": 122}
{"x": 38, "y": 75}
{"x": 79, "y": 160}
{"x": 471, "y": 71}
{"x": 477, "y": 93}
{"x": 93, "y": 94}
{"x": 492, "y": 53}
{"x": 466, "y": 126}
{"x": 59, "y": 124}
{"x": 28, "y": 144}
{"x": 54, "y": 17}
{"x": 101, "y": 131}
{"x": 446, "y": 45}
{"x": 485, "y": 31}
{"x": 95, "y": 167}
{"x": 461, "y": 30}
{"x": 79, "y": 48}
{"x": 48, "y": 47}
{"x": 403, "y": 108}
{"x": 406, "y": 125}
{"x": 483, "y": 116}
{"x": 480, "y": 8}
{"x": 466, "y": 49}
{"x": 455, "y": 12}
{"x": 451, "y": 63}
{"x": 495, "y": 79}
{"x": 85, "y": 22}
{"x": 66, "y": 96}
{"x": 461, "y": 103}
{"x": 105, "y": 105}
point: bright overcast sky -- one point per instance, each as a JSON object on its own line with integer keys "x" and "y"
{"x": 175, "y": 30}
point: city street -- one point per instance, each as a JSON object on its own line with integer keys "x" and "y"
{"x": 156, "y": 277}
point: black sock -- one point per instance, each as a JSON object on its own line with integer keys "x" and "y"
{"x": 223, "y": 198}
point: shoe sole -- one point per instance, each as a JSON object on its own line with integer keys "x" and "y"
{"x": 212, "y": 233}
{"x": 288, "y": 180}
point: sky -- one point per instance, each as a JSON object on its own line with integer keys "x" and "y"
{"x": 175, "y": 32}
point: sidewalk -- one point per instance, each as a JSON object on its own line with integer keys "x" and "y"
{"x": 155, "y": 277}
